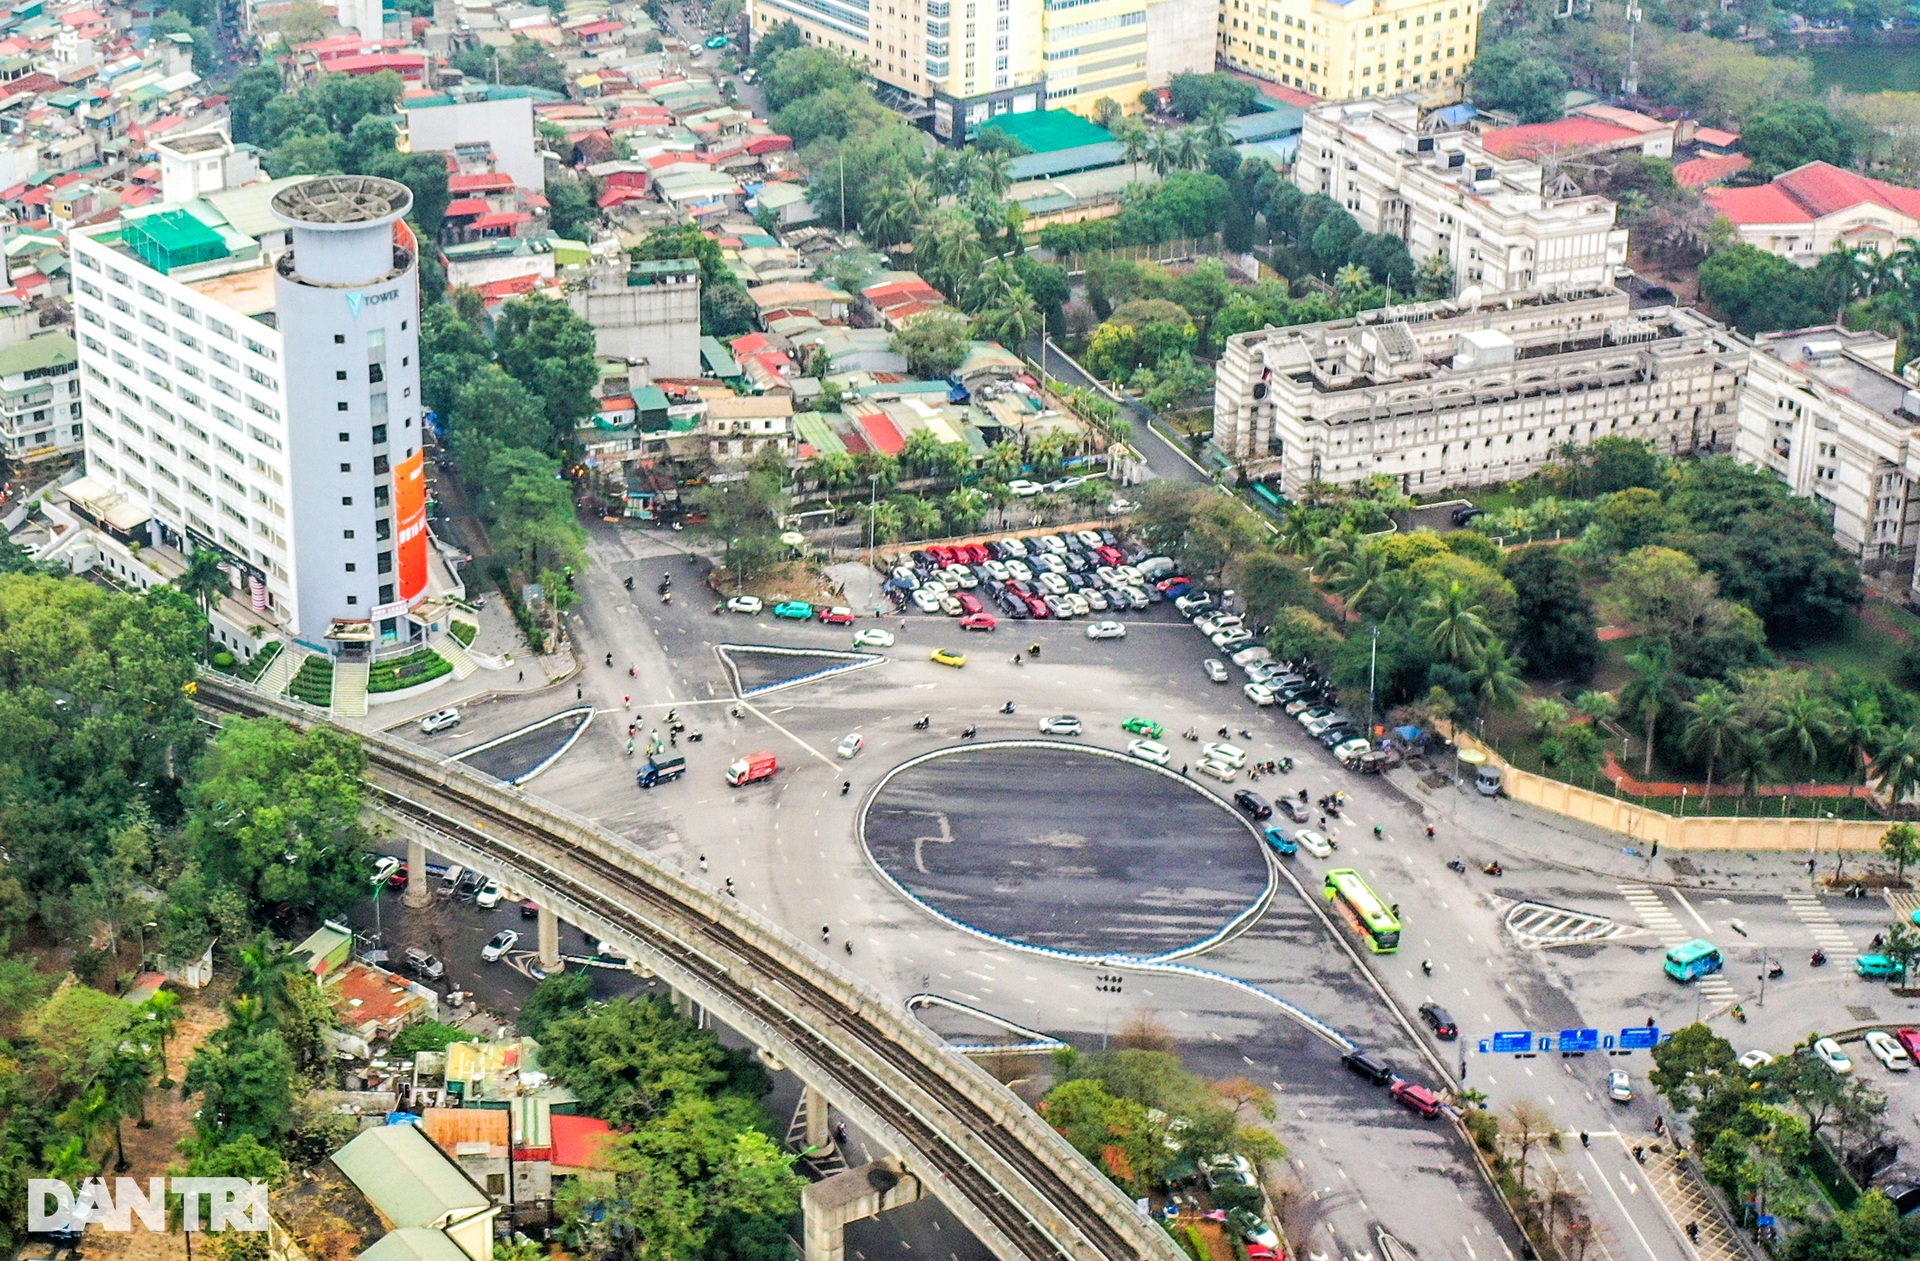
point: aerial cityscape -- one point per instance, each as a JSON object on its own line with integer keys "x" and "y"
{"x": 1047, "y": 630}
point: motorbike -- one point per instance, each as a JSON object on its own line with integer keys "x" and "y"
{"x": 1493, "y": 869}
{"x": 969, "y": 733}
{"x": 1819, "y": 959}
{"x": 693, "y": 737}
{"x": 1455, "y": 864}
{"x": 1775, "y": 971}
{"x": 923, "y": 723}
{"x": 1190, "y": 734}
{"x": 1284, "y": 764}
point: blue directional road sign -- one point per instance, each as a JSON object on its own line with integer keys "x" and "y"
{"x": 1520, "y": 1040}
{"x": 1579, "y": 1040}
{"x": 1639, "y": 1039}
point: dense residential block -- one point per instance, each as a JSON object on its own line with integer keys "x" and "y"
{"x": 1336, "y": 50}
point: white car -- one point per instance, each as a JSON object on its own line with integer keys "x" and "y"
{"x": 1018, "y": 546}
{"x": 1023, "y": 489}
{"x": 1832, "y": 1056}
{"x": 1259, "y": 693}
{"x": 1351, "y": 749}
{"x": 850, "y": 746}
{"x": 1619, "y": 1088}
{"x": 434, "y": 724}
{"x": 1755, "y": 1058}
{"x": 1232, "y": 641}
{"x": 383, "y": 866}
{"x": 748, "y": 604}
{"x": 1095, "y": 598}
{"x": 1106, "y": 630}
{"x": 1060, "y": 725}
{"x": 1216, "y": 770}
{"x": 1216, "y": 671}
{"x": 1150, "y": 751}
{"x": 873, "y": 637}
{"x": 1116, "y": 506}
{"x": 996, "y": 570}
{"x": 951, "y": 607}
{"x": 1250, "y": 656}
{"x": 501, "y": 942}
{"x": 489, "y": 895}
{"x": 1231, "y": 754}
{"x": 1020, "y": 570}
{"x": 1888, "y": 1052}
{"x": 927, "y": 598}
{"x": 1078, "y": 603}
{"x": 1053, "y": 584}
{"x": 1313, "y": 843}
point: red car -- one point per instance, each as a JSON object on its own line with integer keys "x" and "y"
{"x": 970, "y": 603}
{"x": 941, "y": 555}
{"x": 1110, "y": 555}
{"x": 977, "y": 554}
{"x": 1417, "y": 1099}
{"x": 836, "y": 616}
{"x": 1036, "y": 606}
{"x": 1165, "y": 583}
{"x": 978, "y": 622}
{"x": 1908, "y": 1039}
{"x": 1260, "y": 1252}
{"x": 398, "y": 880}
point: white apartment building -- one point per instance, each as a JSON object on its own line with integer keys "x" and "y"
{"x": 1498, "y": 222}
{"x": 1824, "y": 410}
{"x": 1446, "y": 394}
{"x": 250, "y": 383}
{"x": 40, "y": 398}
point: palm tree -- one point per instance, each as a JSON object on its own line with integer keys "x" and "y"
{"x": 206, "y": 582}
{"x": 1298, "y": 529}
{"x": 898, "y": 209}
{"x": 1857, "y": 727}
{"x": 1596, "y": 707}
{"x": 87, "y": 1114}
{"x": 994, "y": 285}
{"x": 1331, "y": 551}
{"x": 123, "y": 1076}
{"x": 1354, "y": 577}
{"x": 1896, "y": 764}
{"x": 886, "y": 520}
{"x": 1494, "y": 678}
{"x": 162, "y": 1017}
{"x": 1453, "y": 625}
{"x": 1800, "y": 727}
{"x": 1395, "y": 594}
{"x": 1002, "y": 461}
{"x": 1714, "y": 727}
{"x": 1163, "y": 153}
{"x": 68, "y": 1161}
{"x": 1653, "y": 686}
{"x": 834, "y": 471}
{"x": 1014, "y": 321}
{"x": 1212, "y": 126}
{"x": 266, "y": 975}
{"x": 1189, "y": 151}
{"x": 1132, "y": 135}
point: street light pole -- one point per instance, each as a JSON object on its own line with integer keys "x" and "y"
{"x": 873, "y": 493}
{"x": 1373, "y": 660}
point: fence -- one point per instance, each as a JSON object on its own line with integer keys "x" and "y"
{"x": 1165, "y": 252}
{"x": 1673, "y": 832}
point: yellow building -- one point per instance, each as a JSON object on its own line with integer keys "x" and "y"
{"x": 1364, "y": 48}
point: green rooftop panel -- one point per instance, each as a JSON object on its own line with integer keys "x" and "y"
{"x": 171, "y": 239}
{"x": 1047, "y": 130}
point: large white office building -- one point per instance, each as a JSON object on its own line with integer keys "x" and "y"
{"x": 1501, "y": 223}
{"x": 249, "y": 372}
{"x": 1459, "y": 394}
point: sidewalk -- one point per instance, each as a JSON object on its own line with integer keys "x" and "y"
{"x": 499, "y": 640}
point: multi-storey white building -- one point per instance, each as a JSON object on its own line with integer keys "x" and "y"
{"x": 1438, "y": 396}
{"x": 250, "y": 383}
{"x": 1824, "y": 410}
{"x": 39, "y": 397}
{"x": 1498, "y": 222}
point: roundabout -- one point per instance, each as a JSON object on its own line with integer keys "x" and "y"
{"x": 1068, "y": 849}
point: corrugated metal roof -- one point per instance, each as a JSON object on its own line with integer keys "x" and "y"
{"x": 407, "y": 1179}
{"x": 246, "y": 208}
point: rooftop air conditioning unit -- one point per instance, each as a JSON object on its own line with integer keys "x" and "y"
{"x": 1816, "y": 351}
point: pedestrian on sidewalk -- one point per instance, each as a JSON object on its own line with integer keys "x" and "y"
{"x": 1586, "y": 1140}
{"x": 703, "y": 862}
{"x": 1693, "y": 1232}
{"x": 523, "y": 676}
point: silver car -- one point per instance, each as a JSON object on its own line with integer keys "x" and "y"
{"x": 1216, "y": 671}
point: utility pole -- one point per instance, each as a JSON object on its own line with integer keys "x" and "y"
{"x": 1630, "y": 86}
{"x": 1373, "y": 660}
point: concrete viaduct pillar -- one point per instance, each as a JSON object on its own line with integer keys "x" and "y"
{"x": 549, "y": 937}
{"x": 853, "y": 1196}
{"x": 813, "y": 1105}
{"x": 419, "y": 893}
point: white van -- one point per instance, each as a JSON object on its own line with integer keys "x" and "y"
{"x": 1154, "y": 568}
{"x": 446, "y": 719}
{"x": 1217, "y": 770}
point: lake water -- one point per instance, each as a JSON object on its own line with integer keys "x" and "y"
{"x": 1867, "y": 68}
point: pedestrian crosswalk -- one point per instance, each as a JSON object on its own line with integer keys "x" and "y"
{"x": 1677, "y": 1183}
{"x": 1826, "y": 930}
{"x": 1665, "y": 925}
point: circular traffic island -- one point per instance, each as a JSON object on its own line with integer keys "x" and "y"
{"x": 1051, "y": 845}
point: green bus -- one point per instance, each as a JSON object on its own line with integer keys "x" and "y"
{"x": 1378, "y": 925}
{"x": 1692, "y": 959}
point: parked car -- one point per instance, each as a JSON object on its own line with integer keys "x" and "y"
{"x": 1876, "y": 968}
{"x": 488, "y": 895}
{"x": 422, "y": 964}
{"x": 1259, "y": 693}
{"x": 1760, "y": 1059}
{"x": 1910, "y": 1039}
{"x": 1888, "y": 1052}
{"x": 798, "y": 610}
{"x": 748, "y": 604}
{"x": 1828, "y": 1052}
{"x": 382, "y": 868}
{"x": 498, "y": 945}
{"x": 1060, "y": 725}
{"x": 837, "y": 615}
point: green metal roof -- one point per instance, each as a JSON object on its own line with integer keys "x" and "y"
{"x": 406, "y": 1177}
{"x": 718, "y": 358}
{"x": 650, "y": 398}
{"x": 813, "y": 429}
{"x": 414, "y": 1244}
{"x": 50, "y": 350}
